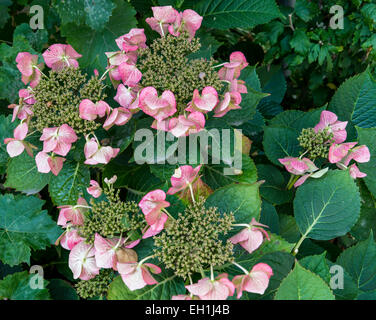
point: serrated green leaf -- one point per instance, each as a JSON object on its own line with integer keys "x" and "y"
{"x": 23, "y": 175}
{"x": 317, "y": 264}
{"x": 302, "y": 284}
{"x": 221, "y": 14}
{"x": 360, "y": 262}
{"x": 72, "y": 180}
{"x": 241, "y": 199}
{"x": 24, "y": 226}
{"x": 17, "y": 287}
{"x": 328, "y": 207}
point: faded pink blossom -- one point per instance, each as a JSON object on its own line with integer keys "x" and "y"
{"x": 205, "y": 102}
{"x": 119, "y": 116}
{"x": 219, "y": 289}
{"x": 256, "y": 281}
{"x": 96, "y": 154}
{"x": 69, "y": 238}
{"x": 59, "y": 56}
{"x": 129, "y": 74}
{"x": 329, "y": 121}
{"x": 125, "y": 95}
{"x": 105, "y": 251}
{"x": 152, "y": 205}
{"x": 159, "y": 108}
{"x": 94, "y": 190}
{"x": 231, "y": 70}
{"x": 73, "y": 213}
{"x": 238, "y": 86}
{"x": 298, "y": 166}
{"x": 355, "y": 172}
{"x": 23, "y": 110}
{"x": 82, "y": 261}
{"x": 230, "y": 101}
{"x": 338, "y": 151}
{"x": 58, "y": 140}
{"x": 46, "y": 163}
{"x": 115, "y": 59}
{"x": 360, "y": 154}
{"x": 131, "y": 41}
{"x": 162, "y": 18}
{"x": 184, "y": 126}
{"x": 90, "y": 110}
{"x": 189, "y": 21}
{"x": 136, "y": 275}
{"x": 251, "y": 237}
{"x": 182, "y": 178}
{"x": 27, "y": 64}
{"x": 16, "y": 145}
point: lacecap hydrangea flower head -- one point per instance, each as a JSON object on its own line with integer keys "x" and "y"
{"x": 160, "y": 79}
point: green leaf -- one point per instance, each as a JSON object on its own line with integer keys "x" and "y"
{"x": 300, "y": 42}
{"x": 209, "y": 45}
{"x": 72, "y": 180}
{"x": 24, "y": 226}
{"x": 302, "y": 284}
{"x": 92, "y": 44}
{"x": 328, "y": 207}
{"x": 168, "y": 285}
{"x": 215, "y": 178}
{"x": 368, "y": 138}
{"x": 274, "y": 188}
{"x": 360, "y": 262}
{"x": 17, "y": 287}
{"x": 269, "y": 217}
{"x": 37, "y": 39}
{"x": 317, "y": 264}
{"x": 306, "y": 10}
{"x": 241, "y": 199}
{"x": 23, "y": 175}
{"x": 222, "y": 14}
{"x": 355, "y": 101}
{"x": 61, "y": 290}
{"x": 94, "y": 13}
{"x": 6, "y": 131}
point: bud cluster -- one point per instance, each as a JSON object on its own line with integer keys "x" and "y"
{"x": 95, "y": 287}
{"x": 193, "y": 242}
{"x": 315, "y": 144}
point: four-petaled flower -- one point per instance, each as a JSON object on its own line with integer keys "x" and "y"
{"x": 27, "y": 64}
{"x": 82, "y": 261}
{"x": 96, "y": 153}
{"x": 59, "y": 56}
{"x": 58, "y": 140}
{"x": 218, "y": 289}
{"x": 182, "y": 178}
{"x": 329, "y": 121}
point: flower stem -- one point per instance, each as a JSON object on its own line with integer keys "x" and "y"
{"x": 240, "y": 267}
{"x": 192, "y": 195}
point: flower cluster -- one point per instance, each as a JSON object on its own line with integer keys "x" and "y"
{"x": 325, "y": 140}
{"x": 164, "y": 83}
{"x": 60, "y": 105}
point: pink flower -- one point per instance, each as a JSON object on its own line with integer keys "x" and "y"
{"x": 125, "y": 96}
{"x": 94, "y": 190}
{"x": 359, "y": 154}
{"x": 23, "y": 110}
{"x": 238, "y": 86}
{"x": 90, "y": 110}
{"x": 74, "y": 214}
{"x": 184, "y": 126}
{"x": 96, "y": 154}
{"x": 115, "y": 59}
{"x": 27, "y": 64}
{"x": 162, "y": 18}
{"x": 58, "y": 140}
{"x": 181, "y": 297}
{"x": 69, "y": 239}
{"x": 355, "y": 172}
{"x": 204, "y": 103}
{"x": 189, "y": 21}
{"x": 136, "y": 275}
{"x": 251, "y": 237}
{"x": 152, "y": 205}
{"x": 219, "y": 289}
{"x": 16, "y": 145}
{"x": 329, "y": 121}
{"x": 131, "y": 41}
{"x": 119, "y": 116}
{"x": 59, "y": 56}
{"x": 46, "y": 163}
{"x": 230, "y": 101}
{"x": 129, "y": 74}
{"x": 256, "y": 281}
{"x": 82, "y": 261}
{"x": 182, "y": 178}
{"x": 338, "y": 151}
{"x": 158, "y": 108}
{"x": 231, "y": 70}
{"x": 298, "y": 166}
